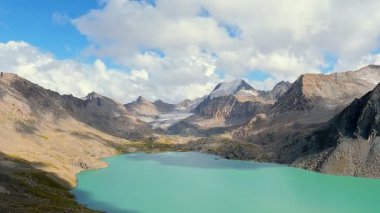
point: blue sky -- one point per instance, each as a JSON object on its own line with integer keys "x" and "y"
{"x": 330, "y": 60}
{"x": 33, "y": 22}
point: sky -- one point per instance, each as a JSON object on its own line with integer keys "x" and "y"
{"x": 175, "y": 50}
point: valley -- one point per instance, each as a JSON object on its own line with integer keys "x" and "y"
{"x": 325, "y": 123}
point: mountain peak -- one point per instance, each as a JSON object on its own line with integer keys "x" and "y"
{"x": 141, "y": 99}
{"x": 282, "y": 85}
{"x": 230, "y": 88}
{"x": 371, "y": 66}
{"x": 159, "y": 101}
{"x": 280, "y": 88}
{"x": 93, "y": 95}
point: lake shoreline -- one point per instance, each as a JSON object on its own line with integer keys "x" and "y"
{"x": 169, "y": 162}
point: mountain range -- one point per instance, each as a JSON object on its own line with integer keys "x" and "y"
{"x": 322, "y": 122}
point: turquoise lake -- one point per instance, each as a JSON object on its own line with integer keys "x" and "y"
{"x": 192, "y": 182}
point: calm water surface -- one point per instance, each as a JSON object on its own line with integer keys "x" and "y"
{"x": 194, "y": 182}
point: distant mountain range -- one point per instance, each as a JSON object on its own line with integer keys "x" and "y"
{"x": 319, "y": 122}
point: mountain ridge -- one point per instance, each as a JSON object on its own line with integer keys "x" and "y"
{"x": 348, "y": 144}
{"x": 96, "y": 110}
{"x": 278, "y": 122}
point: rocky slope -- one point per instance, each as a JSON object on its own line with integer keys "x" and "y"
{"x": 229, "y": 110}
{"x": 47, "y": 138}
{"x": 189, "y": 105}
{"x": 62, "y": 135}
{"x": 282, "y": 133}
{"x": 95, "y": 110}
{"x": 348, "y": 143}
{"x": 237, "y": 101}
{"x": 327, "y": 92}
{"x": 313, "y": 99}
{"x": 163, "y": 107}
{"x": 39, "y": 125}
{"x": 230, "y": 104}
{"x": 106, "y": 115}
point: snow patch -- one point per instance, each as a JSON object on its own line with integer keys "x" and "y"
{"x": 243, "y": 92}
{"x": 226, "y": 89}
{"x": 166, "y": 120}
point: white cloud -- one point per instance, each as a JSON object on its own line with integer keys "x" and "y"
{"x": 282, "y": 37}
{"x": 172, "y": 53}
{"x": 73, "y": 77}
{"x": 139, "y": 75}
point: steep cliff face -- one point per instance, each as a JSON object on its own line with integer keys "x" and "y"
{"x": 311, "y": 101}
{"x": 360, "y": 120}
{"x": 348, "y": 143}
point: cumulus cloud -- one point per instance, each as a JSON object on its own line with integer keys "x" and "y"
{"x": 281, "y": 37}
{"x": 173, "y": 50}
{"x": 79, "y": 79}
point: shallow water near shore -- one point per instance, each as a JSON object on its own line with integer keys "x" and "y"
{"x": 195, "y": 182}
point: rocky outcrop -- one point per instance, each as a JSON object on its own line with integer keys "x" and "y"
{"x": 348, "y": 143}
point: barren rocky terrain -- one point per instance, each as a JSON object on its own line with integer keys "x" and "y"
{"x": 327, "y": 123}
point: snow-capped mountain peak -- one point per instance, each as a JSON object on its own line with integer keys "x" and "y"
{"x": 230, "y": 88}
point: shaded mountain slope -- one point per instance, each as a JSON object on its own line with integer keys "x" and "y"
{"x": 23, "y": 189}
{"x": 348, "y": 144}
{"x": 312, "y": 100}
{"x": 35, "y": 127}
{"x": 97, "y": 111}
